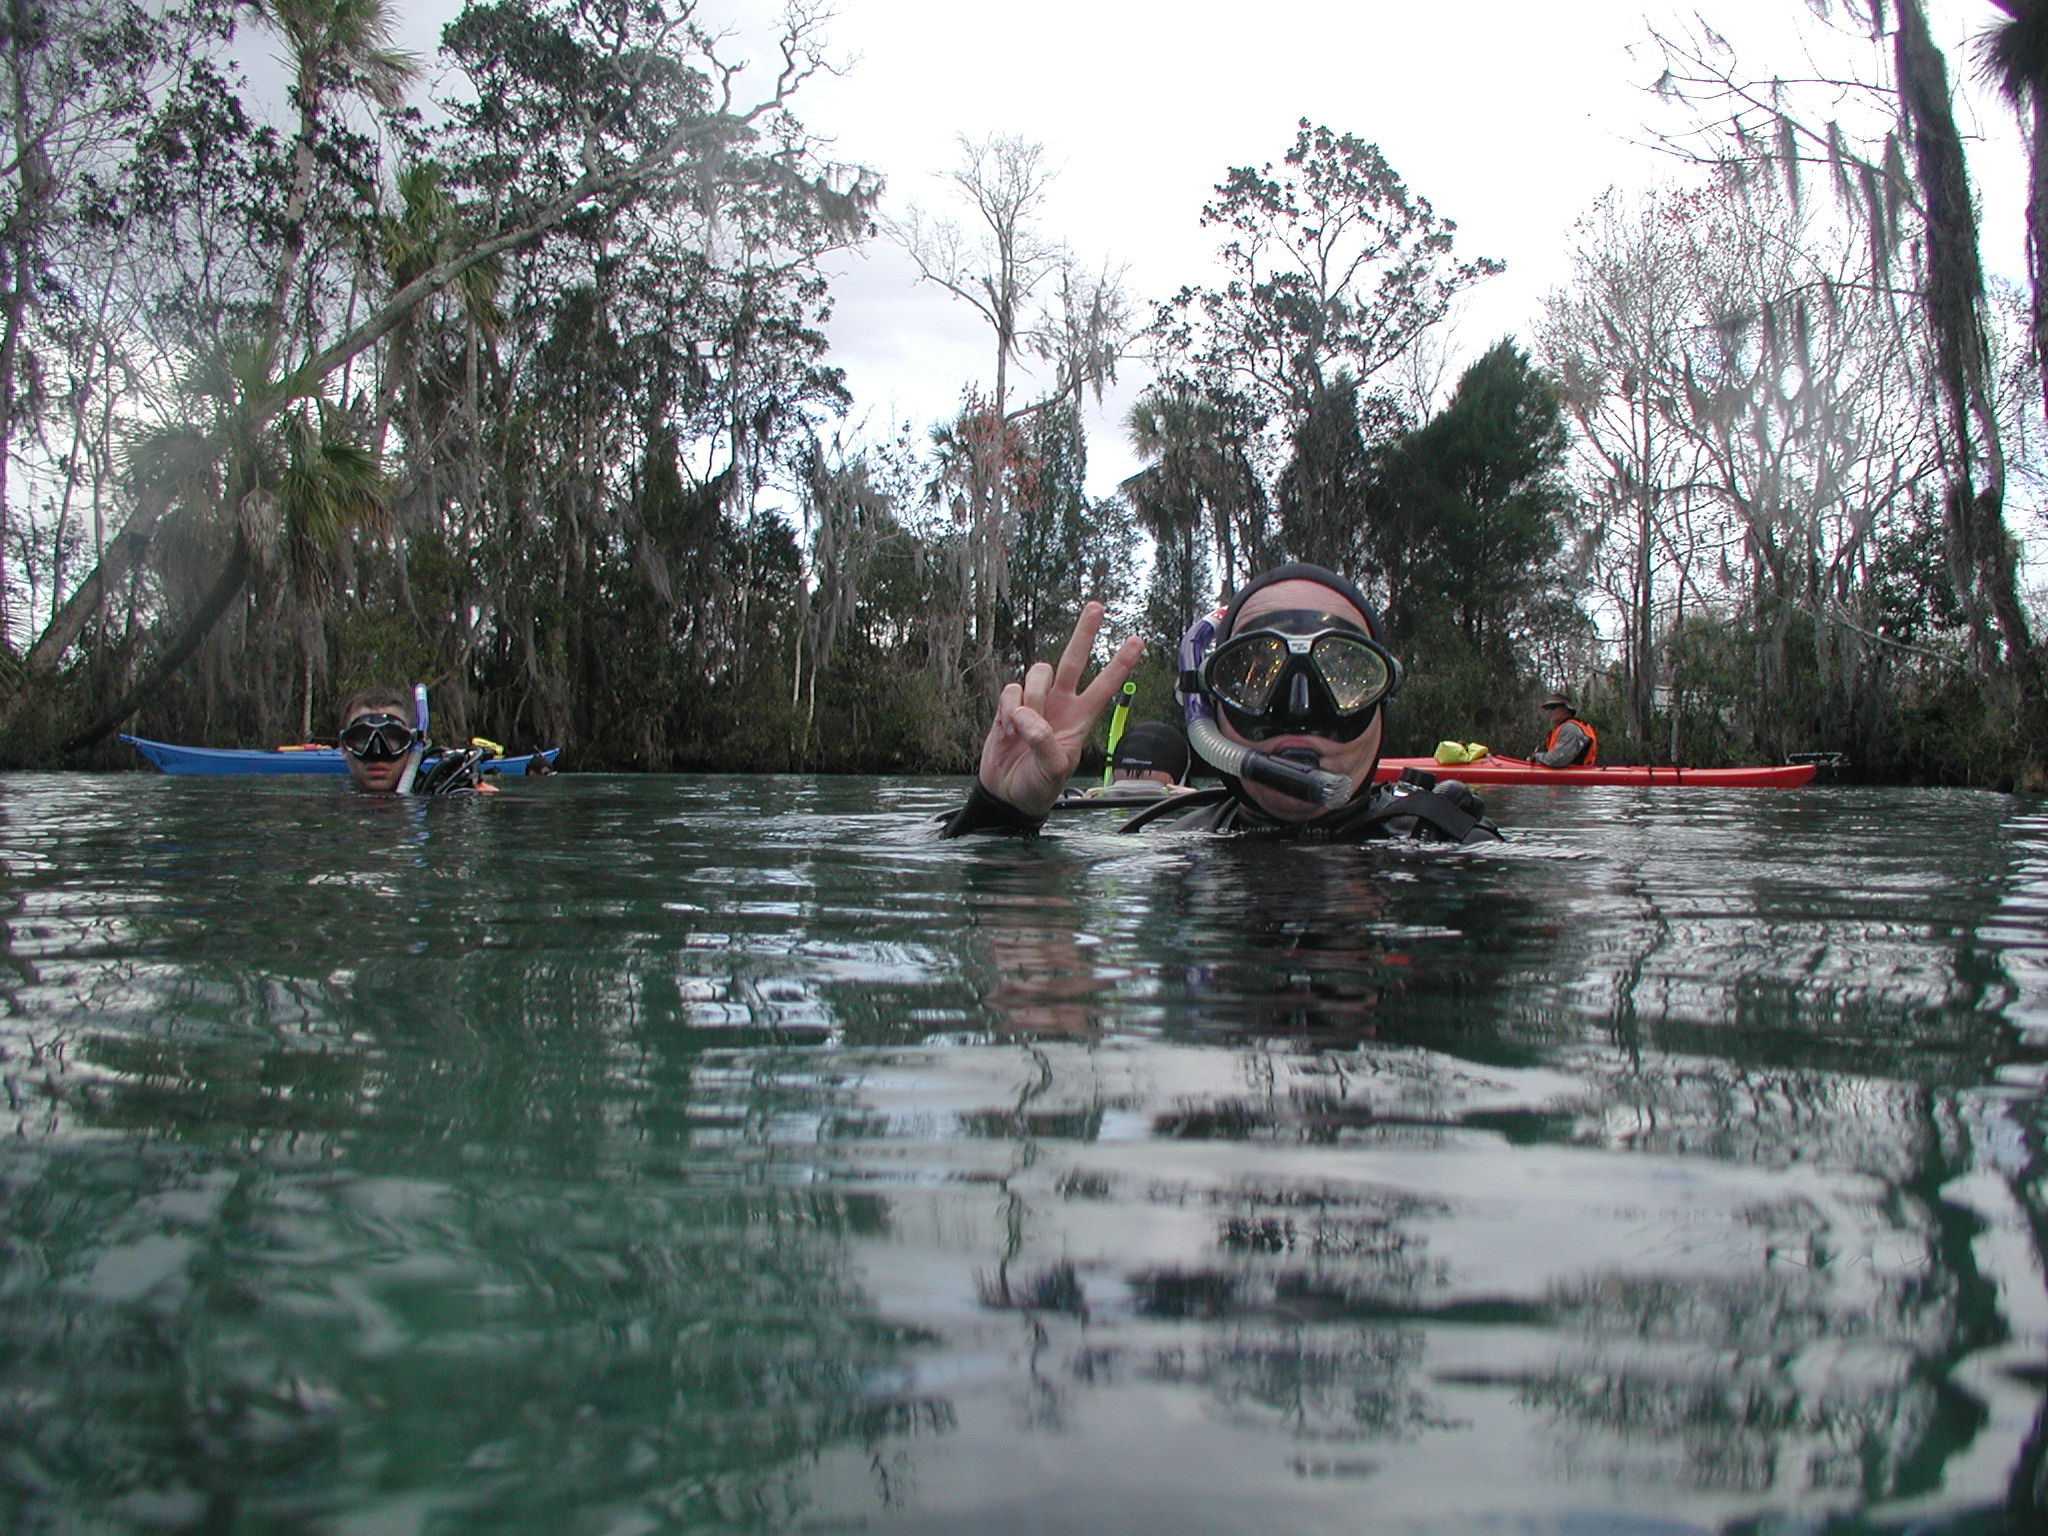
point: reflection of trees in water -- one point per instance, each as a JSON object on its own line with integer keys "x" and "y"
{"x": 1646, "y": 1416}
{"x": 276, "y": 1349}
{"x": 1815, "y": 1331}
{"x": 1341, "y": 944}
{"x": 438, "y": 1270}
{"x": 1306, "y": 1384}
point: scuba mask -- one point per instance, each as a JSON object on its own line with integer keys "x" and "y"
{"x": 378, "y": 738}
{"x": 1300, "y": 673}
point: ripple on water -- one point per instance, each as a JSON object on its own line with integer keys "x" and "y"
{"x": 723, "y": 1153}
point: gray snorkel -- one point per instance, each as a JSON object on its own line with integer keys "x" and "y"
{"x": 419, "y": 748}
{"x": 1317, "y": 786}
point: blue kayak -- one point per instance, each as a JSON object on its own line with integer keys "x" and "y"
{"x": 328, "y": 760}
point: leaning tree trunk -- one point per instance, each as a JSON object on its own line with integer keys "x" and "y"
{"x": 227, "y": 586}
{"x": 2037, "y": 237}
{"x": 1979, "y": 549}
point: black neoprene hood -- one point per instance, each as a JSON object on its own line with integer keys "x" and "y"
{"x": 1297, "y": 570}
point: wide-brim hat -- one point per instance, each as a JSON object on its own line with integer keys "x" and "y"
{"x": 1557, "y": 701}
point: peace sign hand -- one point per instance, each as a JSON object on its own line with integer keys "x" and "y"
{"x": 1042, "y": 723}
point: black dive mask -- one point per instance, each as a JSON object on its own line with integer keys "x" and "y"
{"x": 377, "y": 738}
{"x": 1300, "y": 673}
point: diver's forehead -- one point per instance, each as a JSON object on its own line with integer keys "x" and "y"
{"x": 1297, "y": 597}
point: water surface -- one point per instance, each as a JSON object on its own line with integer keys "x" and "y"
{"x": 629, "y": 1155}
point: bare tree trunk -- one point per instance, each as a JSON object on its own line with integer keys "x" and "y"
{"x": 34, "y": 184}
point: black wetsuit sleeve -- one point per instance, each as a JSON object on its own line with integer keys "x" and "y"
{"x": 985, "y": 812}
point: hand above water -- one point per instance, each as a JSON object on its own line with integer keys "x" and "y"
{"x": 1042, "y": 723}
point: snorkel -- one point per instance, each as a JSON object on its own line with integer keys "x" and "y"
{"x": 1118, "y": 718}
{"x": 419, "y": 748}
{"x": 1317, "y": 786}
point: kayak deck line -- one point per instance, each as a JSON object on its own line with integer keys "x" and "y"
{"x": 1513, "y": 770}
{"x": 309, "y": 758}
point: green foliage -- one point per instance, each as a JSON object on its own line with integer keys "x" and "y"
{"x": 1326, "y": 483}
{"x": 1465, "y": 511}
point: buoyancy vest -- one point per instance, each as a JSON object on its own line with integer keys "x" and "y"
{"x": 1587, "y": 758}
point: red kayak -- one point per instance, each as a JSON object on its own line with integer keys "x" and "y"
{"x": 1513, "y": 770}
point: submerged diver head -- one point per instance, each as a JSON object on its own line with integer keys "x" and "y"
{"x": 1298, "y": 670}
{"x": 1151, "y": 750}
{"x": 379, "y": 737}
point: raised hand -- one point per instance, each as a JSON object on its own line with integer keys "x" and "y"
{"x": 1042, "y": 723}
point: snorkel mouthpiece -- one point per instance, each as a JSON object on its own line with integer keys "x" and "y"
{"x": 1317, "y": 786}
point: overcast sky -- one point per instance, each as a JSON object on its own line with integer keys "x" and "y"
{"x": 1511, "y": 118}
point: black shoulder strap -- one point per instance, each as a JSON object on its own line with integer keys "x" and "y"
{"x": 1175, "y": 805}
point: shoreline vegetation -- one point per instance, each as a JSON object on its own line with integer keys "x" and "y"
{"x": 506, "y": 370}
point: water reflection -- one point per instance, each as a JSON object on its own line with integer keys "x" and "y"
{"x": 679, "y": 1155}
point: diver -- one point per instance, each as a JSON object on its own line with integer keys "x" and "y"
{"x": 1285, "y": 693}
{"x": 1148, "y": 762}
{"x": 384, "y": 743}
{"x": 1151, "y": 752}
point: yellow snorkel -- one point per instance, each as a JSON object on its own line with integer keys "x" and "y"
{"x": 1117, "y": 719}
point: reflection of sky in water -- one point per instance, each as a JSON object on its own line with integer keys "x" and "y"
{"x": 725, "y": 1154}
{"x": 2019, "y": 929}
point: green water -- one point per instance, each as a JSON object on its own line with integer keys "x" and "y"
{"x": 633, "y": 1155}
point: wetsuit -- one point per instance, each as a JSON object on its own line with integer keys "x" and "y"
{"x": 1448, "y": 813}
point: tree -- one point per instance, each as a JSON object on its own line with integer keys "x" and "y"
{"x": 624, "y": 110}
{"x": 1615, "y": 338}
{"x": 91, "y": 88}
{"x": 1335, "y": 270}
{"x": 1199, "y": 484}
{"x": 1334, "y": 266}
{"x": 1908, "y": 188}
{"x": 1468, "y": 509}
{"x": 338, "y": 48}
{"x": 997, "y": 265}
{"x": 1320, "y": 495}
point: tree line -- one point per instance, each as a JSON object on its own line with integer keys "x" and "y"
{"x": 518, "y": 384}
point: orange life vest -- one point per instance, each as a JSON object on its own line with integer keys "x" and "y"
{"x": 1592, "y": 755}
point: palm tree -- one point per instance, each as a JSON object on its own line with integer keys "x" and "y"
{"x": 2014, "y": 54}
{"x": 298, "y": 489}
{"x": 338, "y": 47}
{"x": 1198, "y": 468}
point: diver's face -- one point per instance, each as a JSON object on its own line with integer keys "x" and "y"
{"x": 1355, "y": 758}
{"x": 379, "y": 774}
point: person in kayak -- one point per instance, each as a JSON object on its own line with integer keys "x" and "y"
{"x": 1284, "y": 691}
{"x": 385, "y": 747}
{"x": 1571, "y": 743}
